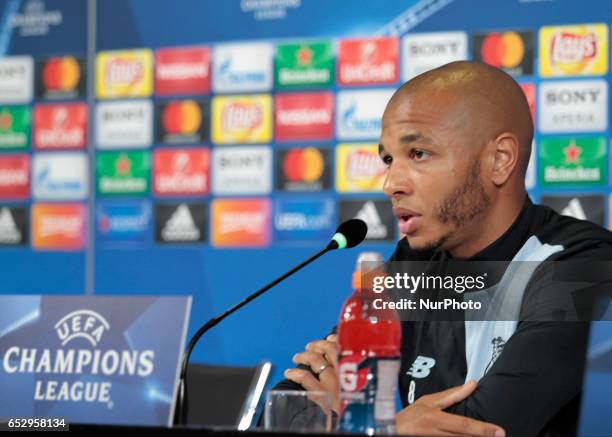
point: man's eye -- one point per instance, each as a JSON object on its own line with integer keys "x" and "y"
{"x": 420, "y": 155}
{"x": 387, "y": 160}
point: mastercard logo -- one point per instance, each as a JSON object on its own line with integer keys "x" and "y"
{"x": 61, "y": 74}
{"x": 305, "y": 165}
{"x": 503, "y": 50}
{"x": 182, "y": 117}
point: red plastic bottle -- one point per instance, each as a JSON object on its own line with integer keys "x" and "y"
{"x": 369, "y": 340}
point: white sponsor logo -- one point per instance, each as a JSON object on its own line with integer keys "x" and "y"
{"x": 126, "y": 124}
{"x": 9, "y": 232}
{"x": 60, "y": 176}
{"x": 359, "y": 113}
{"x": 242, "y": 67}
{"x": 16, "y": 79}
{"x": 421, "y": 368}
{"x": 251, "y": 222}
{"x": 376, "y": 228}
{"x": 182, "y": 70}
{"x": 11, "y": 177}
{"x": 423, "y": 52}
{"x": 574, "y": 209}
{"x": 35, "y": 19}
{"x": 303, "y": 116}
{"x": 244, "y": 170}
{"x": 180, "y": 226}
{"x": 68, "y": 226}
{"x": 573, "y": 106}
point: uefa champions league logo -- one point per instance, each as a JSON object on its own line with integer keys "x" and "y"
{"x": 85, "y": 324}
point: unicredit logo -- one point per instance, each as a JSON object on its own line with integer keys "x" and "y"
{"x": 123, "y": 71}
{"x": 572, "y": 47}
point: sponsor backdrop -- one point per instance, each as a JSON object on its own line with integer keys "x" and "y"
{"x": 200, "y": 148}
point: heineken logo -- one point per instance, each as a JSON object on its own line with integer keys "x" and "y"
{"x": 573, "y": 161}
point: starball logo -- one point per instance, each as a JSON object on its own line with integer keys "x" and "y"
{"x": 80, "y": 334}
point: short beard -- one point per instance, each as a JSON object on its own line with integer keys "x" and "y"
{"x": 460, "y": 206}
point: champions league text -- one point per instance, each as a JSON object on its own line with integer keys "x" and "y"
{"x": 76, "y": 362}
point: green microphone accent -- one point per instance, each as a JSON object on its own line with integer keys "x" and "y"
{"x": 340, "y": 240}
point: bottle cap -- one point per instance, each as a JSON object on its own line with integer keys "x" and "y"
{"x": 366, "y": 261}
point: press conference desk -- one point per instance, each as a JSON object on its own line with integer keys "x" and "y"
{"x": 192, "y": 430}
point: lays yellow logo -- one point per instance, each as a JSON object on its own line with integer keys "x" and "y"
{"x": 124, "y": 73}
{"x": 242, "y": 119}
{"x": 574, "y": 50}
{"x": 359, "y": 168}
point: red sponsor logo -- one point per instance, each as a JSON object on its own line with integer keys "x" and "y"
{"x": 573, "y": 47}
{"x": 242, "y": 116}
{"x": 363, "y": 165}
{"x": 368, "y": 61}
{"x": 181, "y": 171}
{"x": 303, "y": 116}
{"x": 122, "y": 71}
{"x": 60, "y": 126}
{"x": 182, "y": 71}
{"x": 14, "y": 176}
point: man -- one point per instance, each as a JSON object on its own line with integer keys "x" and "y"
{"x": 456, "y": 142}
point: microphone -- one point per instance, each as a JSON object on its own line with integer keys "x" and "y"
{"x": 349, "y": 234}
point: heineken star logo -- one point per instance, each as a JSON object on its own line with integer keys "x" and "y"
{"x": 572, "y": 153}
{"x": 5, "y": 120}
{"x": 123, "y": 165}
{"x": 304, "y": 56}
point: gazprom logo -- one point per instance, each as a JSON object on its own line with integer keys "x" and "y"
{"x": 83, "y": 323}
{"x": 360, "y": 113}
{"x": 229, "y": 76}
{"x": 352, "y": 122}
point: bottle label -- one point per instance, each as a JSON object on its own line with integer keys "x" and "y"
{"x": 367, "y": 392}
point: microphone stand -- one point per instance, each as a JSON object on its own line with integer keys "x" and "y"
{"x": 181, "y": 405}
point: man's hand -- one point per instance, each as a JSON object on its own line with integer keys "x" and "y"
{"x": 425, "y": 416}
{"x": 322, "y": 357}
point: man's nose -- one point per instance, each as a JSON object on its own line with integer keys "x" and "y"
{"x": 397, "y": 181}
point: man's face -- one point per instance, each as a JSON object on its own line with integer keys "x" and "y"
{"x": 433, "y": 176}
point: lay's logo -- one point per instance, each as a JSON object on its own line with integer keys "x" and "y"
{"x": 242, "y": 116}
{"x": 574, "y": 50}
{"x": 126, "y": 73}
{"x": 359, "y": 168}
{"x": 242, "y": 119}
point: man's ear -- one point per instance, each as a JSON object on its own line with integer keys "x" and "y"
{"x": 505, "y": 157}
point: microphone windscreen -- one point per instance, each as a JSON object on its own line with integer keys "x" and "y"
{"x": 354, "y": 230}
